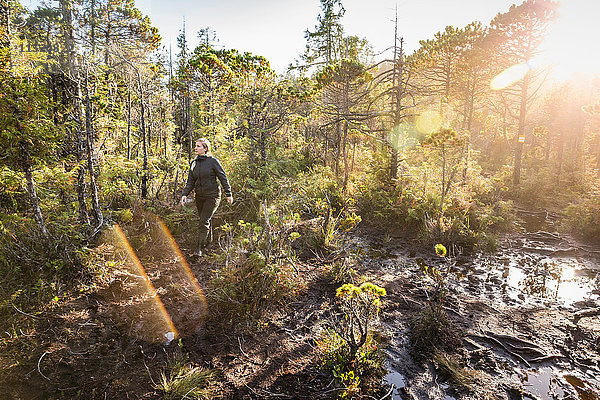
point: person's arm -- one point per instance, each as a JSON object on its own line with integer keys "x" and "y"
{"x": 224, "y": 181}
{"x": 189, "y": 185}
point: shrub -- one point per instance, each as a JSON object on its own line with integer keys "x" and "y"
{"x": 182, "y": 381}
{"x": 256, "y": 270}
{"x": 351, "y": 375}
{"x": 431, "y": 330}
{"x": 583, "y": 217}
{"x": 359, "y": 308}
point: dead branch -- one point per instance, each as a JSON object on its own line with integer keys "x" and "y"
{"x": 24, "y": 313}
{"x": 590, "y": 312}
{"x": 38, "y": 366}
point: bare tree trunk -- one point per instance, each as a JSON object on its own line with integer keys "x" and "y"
{"x": 521, "y": 130}
{"x": 559, "y": 156}
{"x": 129, "y": 123}
{"x": 81, "y": 145}
{"x": 176, "y": 186}
{"x": 345, "y": 155}
{"x": 93, "y": 25}
{"x": 33, "y": 198}
{"x": 144, "y": 144}
{"x": 74, "y": 80}
{"x": 90, "y": 157}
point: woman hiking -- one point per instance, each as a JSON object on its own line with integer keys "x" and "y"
{"x": 202, "y": 178}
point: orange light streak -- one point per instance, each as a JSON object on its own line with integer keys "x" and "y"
{"x": 182, "y": 262}
{"x": 134, "y": 260}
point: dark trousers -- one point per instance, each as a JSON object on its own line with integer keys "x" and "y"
{"x": 206, "y": 209}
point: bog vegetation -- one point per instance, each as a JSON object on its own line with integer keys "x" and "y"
{"x": 98, "y": 123}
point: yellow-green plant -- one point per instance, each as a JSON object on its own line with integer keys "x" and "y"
{"x": 335, "y": 358}
{"x": 181, "y": 381}
{"x": 431, "y": 329}
{"x": 359, "y": 308}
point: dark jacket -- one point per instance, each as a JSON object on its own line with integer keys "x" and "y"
{"x": 204, "y": 171}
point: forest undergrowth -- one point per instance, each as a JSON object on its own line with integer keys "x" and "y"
{"x": 99, "y": 296}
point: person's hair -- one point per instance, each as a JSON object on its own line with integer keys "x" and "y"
{"x": 206, "y": 143}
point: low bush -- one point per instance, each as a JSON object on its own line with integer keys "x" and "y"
{"x": 183, "y": 381}
{"x": 431, "y": 329}
{"x": 583, "y": 217}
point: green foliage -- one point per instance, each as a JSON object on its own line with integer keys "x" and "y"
{"x": 27, "y": 135}
{"x": 342, "y": 271}
{"x": 257, "y": 272}
{"x": 583, "y": 217}
{"x": 359, "y": 309}
{"x": 431, "y": 330}
{"x": 440, "y": 250}
{"x": 546, "y": 188}
{"x": 182, "y": 381}
{"x": 246, "y": 288}
{"x": 351, "y": 374}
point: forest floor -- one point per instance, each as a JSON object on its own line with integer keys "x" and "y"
{"x": 108, "y": 342}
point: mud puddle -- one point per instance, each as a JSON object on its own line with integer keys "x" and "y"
{"x": 536, "y": 265}
{"x": 548, "y": 383}
{"x": 535, "y": 268}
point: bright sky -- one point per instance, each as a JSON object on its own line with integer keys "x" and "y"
{"x": 275, "y": 28}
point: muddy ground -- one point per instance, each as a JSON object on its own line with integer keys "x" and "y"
{"x": 111, "y": 341}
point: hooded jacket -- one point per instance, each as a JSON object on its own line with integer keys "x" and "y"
{"x": 202, "y": 177}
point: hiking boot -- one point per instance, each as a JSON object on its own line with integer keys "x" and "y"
{"x": 198, "y": 253}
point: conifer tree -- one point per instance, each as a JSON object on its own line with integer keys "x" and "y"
{"x": 518, "y": 35}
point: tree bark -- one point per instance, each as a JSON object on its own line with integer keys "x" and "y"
{"x": 521, "y": 130}
{"x": 144, "y": 143}
{"x": 35, "y": 202}
{"x": 75, "y": 84}
{"x": 90, "y": 157}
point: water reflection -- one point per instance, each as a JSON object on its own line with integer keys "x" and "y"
{"x": 547, "y": 384}
{"x": 398, "y": 380}
{"x": 559, "y": 280}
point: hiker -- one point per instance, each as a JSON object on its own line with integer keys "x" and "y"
{"x": 204, "y": 171}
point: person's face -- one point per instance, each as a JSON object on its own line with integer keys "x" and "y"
{"x": 200, "y": 150}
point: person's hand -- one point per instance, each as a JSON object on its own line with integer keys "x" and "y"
{"x": 183, "y": 200}
{"x": 230, "y": 199}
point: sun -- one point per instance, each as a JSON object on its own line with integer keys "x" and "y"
{"x": 571, "y": 45}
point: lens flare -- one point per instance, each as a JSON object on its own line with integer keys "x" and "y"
{"x": 186, "y": 302}
{"x": 509, "y": 76}
{"x": 148, "y": 264}
{"x": 402, "y": 136}
{"x": 429, "y": 122}
{"x": 133, "y": 292}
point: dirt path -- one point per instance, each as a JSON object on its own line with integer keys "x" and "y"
{"x": 110, "y": 343}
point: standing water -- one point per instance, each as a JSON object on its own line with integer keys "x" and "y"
{"x": 536, "y": 265}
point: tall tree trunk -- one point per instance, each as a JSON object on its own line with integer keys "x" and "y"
{"x": 33, "y": 198}
{"x": 74, "y": 82}
{"x": 345, "y": 155}
{"x": 81, "y": 150}
{"x": 93, "y": 26}
{"x": 35, "y": 203}
{"x": 188, "y": 124}
{"x": 129, "y": 123}
{"x": 548, "y": 144}
{"x": 176, "y": 185}
{"x": 144, "y": 140}
{"x": 90, "y": 157}
{"x": 560, "y": 155}
{"x": 521, "y": 130}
